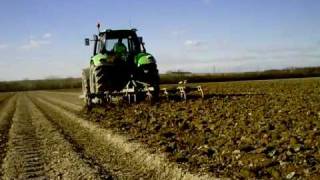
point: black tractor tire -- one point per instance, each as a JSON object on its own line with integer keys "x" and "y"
{"x": 100, "y": 80}
{"x": 97, "y": 80}
{"x": 92, "y": 80}
{"x": 86, "y": 88}
{"x": 149, "y": 74}
{"x": 96, "y": 84}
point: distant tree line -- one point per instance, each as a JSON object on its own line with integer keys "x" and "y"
{"x": 46, "y": 84}
{"x": 172, "y": 77}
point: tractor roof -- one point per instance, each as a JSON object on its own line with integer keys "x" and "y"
{"x": 118, "y": 33}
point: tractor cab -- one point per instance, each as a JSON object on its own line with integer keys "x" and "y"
{"x": 110, "y": 38}
{"x": 123, "y": 44}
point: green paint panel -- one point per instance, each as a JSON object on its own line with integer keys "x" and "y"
{"x": 144, "y": 58}
{"x": 97, "y": 59}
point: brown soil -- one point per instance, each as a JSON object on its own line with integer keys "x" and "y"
{"x": 35, "y": 149}
{"x": 7, "y": 107}
{"x": 261, "y": 129}
{"x": 123, "y": 159}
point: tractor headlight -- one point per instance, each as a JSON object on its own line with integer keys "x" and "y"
{"x": 146, "y": 71}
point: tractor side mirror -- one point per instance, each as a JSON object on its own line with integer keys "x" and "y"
{"x": 87, "y": 41}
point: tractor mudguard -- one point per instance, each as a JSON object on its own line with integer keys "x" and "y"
{"x": 104, "y": 59}
{"x": 100, "y": 59}
{"x": 144, "y": 58}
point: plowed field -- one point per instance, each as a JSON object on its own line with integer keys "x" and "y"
{"x": 257, "y": 129}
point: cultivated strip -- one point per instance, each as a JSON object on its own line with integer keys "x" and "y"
{"x": 65, "y": 97}
{"x": 62, "y": 103}
{"x": 125, "y": 159}
{"x": 4, "y": 97}
{"x": 6, "y": 113}
{"x": 61, "y": 159}
{"x": 24, "y": 157}
{"x": 62, "y": 93}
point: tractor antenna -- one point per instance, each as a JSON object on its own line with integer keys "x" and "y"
{"x": 98, "y": 26}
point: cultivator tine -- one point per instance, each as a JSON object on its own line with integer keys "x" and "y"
{"x": 129, "y": 98}
{"x": 109, "y": 99}
{"x": 199, "y": 88}
{"x": 165, "y": 92}
{"x": 182, "y": 92}
{"x": 132, "y": 97}
{"x": 149, "y": 95}
{"x": 134, "y": 88}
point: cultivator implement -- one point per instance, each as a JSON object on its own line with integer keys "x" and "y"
{"x": 182, "y": 90}
{"x": 133, "y": 91}
{"x": 136, "y": 91}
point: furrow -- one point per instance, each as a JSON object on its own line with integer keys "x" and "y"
{"x": 4, "y": 97}
{"x": 64, "y": 160}
{"x": 74, "y": 98}
{"x": 67, "y": 105}
{"x": 24, "y": 149}
{"x": 124, "y": 159}
{"x": 62, "y": 93}
{"x": 6, "y": 115}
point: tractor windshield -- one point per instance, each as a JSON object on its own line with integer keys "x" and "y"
{"x": 112, "y": 44}
{"x": 121, "y": 41}
{"x": 128, "y": 43}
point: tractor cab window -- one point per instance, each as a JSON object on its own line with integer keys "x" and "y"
{"x": 99, "y": 46}
{"x": 113, "y": 45}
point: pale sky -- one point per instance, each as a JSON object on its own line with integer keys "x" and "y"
{"x": 42, "y": 38}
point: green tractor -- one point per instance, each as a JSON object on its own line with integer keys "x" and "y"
{"x": 119, "y": 66}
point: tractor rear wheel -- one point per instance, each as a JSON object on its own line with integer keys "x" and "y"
{"x": 86, "y": 87}
{"x": 92, "y": 80}
{"x": 100, "y": 79}
{"x": 149, "y": 73}
{"x": 96, "y": 83}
